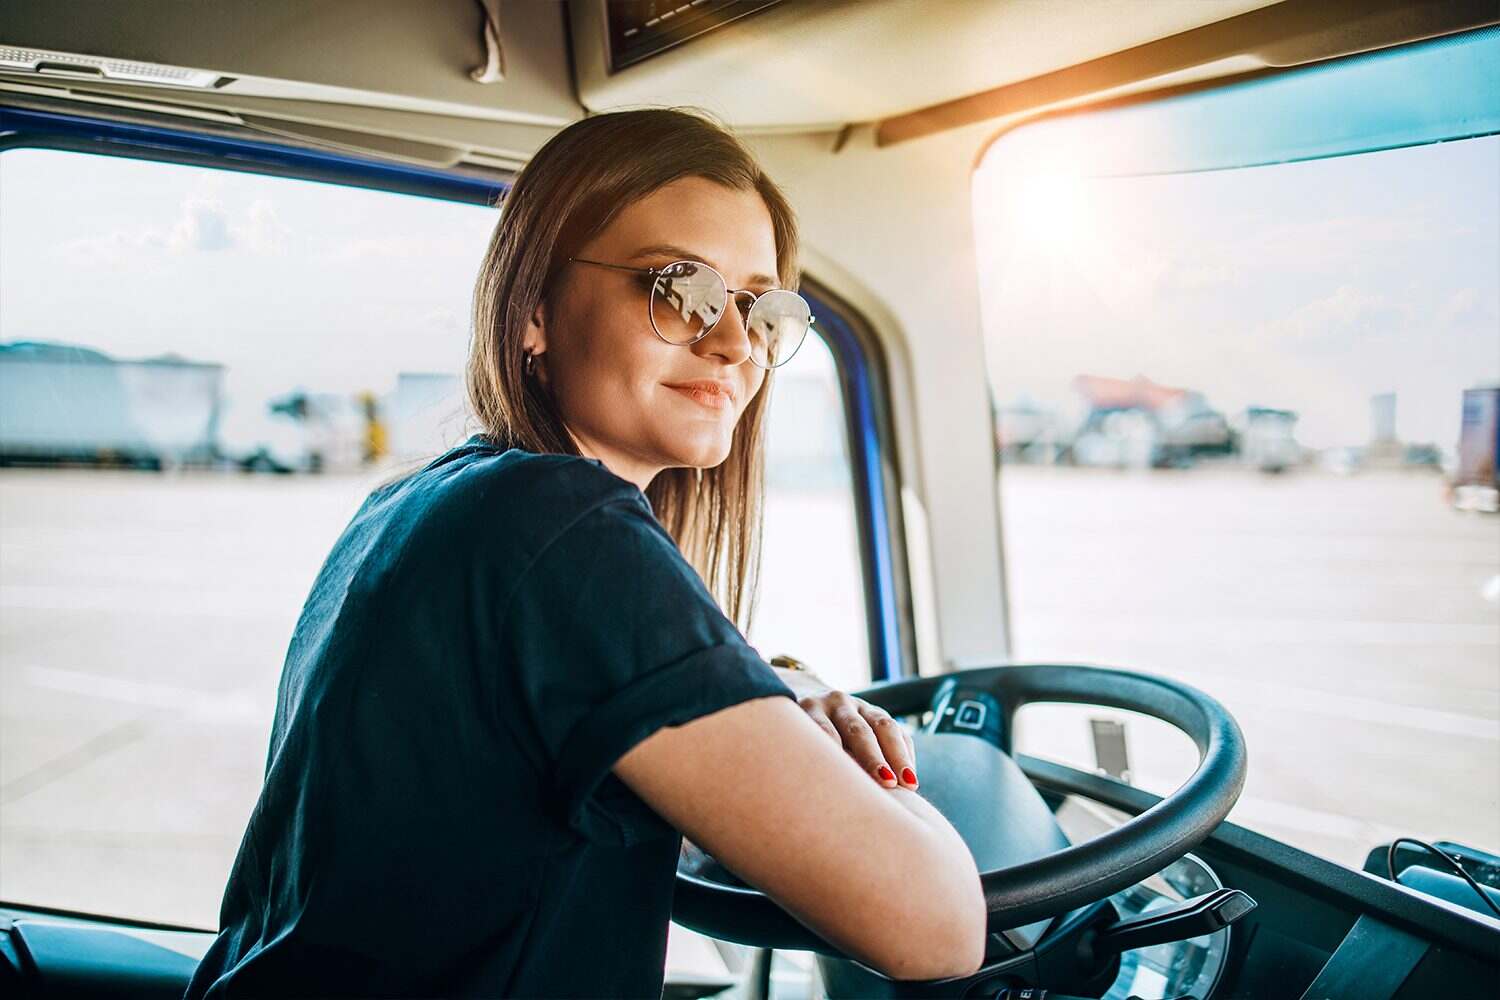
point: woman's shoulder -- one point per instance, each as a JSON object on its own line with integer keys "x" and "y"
{"x": 569, "y": 481}
{"x": 483, "y": 490}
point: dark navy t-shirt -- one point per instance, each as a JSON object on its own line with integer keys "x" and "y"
{"x": 439, "y": 816}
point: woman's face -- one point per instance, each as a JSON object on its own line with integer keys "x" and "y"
{"x": 626, "y": 395}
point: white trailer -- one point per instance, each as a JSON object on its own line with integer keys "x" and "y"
{"x": 63, "y": 403}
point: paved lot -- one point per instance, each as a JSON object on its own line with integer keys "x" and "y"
{"x": 143, "y": 620}
{"x": 1351, "y": 625}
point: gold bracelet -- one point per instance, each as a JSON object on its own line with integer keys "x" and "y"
{"x": 789, "y": 663}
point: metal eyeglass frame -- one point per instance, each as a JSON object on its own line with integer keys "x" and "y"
{"x": 658, "y": 272}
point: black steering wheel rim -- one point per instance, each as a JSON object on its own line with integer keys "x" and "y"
{"x": 1066, "y": 879}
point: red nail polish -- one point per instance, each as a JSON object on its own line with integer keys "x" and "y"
{"x": 886, "y": 774}
{"x": 909, "y": 776}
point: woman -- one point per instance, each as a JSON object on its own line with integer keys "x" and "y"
{"x": 512, "y": 686}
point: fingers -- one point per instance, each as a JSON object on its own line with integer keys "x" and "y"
{"x": 813, "y": 706}
{"x": 894, "y": 742}
{"x": 877, "y": 742}
{"x": 859, "y": 738}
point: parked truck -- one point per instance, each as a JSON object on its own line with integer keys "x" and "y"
{"x": 63, "y": 403}
{"x": 1476, "y": 477}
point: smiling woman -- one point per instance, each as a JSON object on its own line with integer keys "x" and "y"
{"x": 511, "y": 680}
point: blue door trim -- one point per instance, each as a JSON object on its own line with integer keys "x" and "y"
{"x": 875, "y": 498}
{"x": 57, "y": 131}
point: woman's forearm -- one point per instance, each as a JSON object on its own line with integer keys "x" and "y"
{"x": 949, "y": 911}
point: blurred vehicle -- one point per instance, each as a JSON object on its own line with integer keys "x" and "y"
{"x": 63, "y": 403}
{"x": 1342, "y": 461}
{"x": 298, "y": 432}
{"x": 1119, "y": 438}
{"x": 1269, "y": 439}
{"x": 1138, "y": 423}
{"x": 1476, "y": 479}
{"x": 1027, "y": 432}
{"x": 264, "y": 437}
{"x": 427, "y": 414}
{"x": 1192, "y": 430}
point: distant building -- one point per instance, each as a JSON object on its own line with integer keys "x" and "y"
{"x": 1383, "y": 418}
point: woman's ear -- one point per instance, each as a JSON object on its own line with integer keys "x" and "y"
{"x": 534, "y": 344}
{"x": 535, "y": 339}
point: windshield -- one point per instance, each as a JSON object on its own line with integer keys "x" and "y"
{"x": 1229, "y": 407}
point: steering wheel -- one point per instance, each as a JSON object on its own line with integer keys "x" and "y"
{"x": 1030, "y": 874}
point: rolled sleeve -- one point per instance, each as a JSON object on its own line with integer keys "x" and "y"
{"x": 611, "y": 636}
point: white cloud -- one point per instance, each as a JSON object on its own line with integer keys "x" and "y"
{"x": 406, "y": 248}
{"x": 1330, "y": 244}
{"x": 1465, "y": 308}
{"x": 1345, "y": 308}
{"x": 1198, "y": 276}
{"x": 202, "y": 225}
{"x": 114, "y": 245}
{"x": 263, "y": 230}
{"x": 442, "y": 319}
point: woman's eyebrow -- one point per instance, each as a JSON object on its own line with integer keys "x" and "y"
{"x": 676, "y": 252}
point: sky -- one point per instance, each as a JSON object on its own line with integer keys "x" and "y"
{"x": 288, "y": 284}
{"x": 1309, "y": 286}
{"x": 284, "y": 282}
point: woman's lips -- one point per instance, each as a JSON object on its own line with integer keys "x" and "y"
{"x": 714, "y": 395}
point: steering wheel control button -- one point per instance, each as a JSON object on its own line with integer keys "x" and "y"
{"x": 968, "y": 711}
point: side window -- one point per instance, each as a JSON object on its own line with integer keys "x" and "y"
{"x": 202, "y": 375}
{"x": 812, "y": 599}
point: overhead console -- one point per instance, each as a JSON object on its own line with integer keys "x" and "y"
{"x": 817, "y": 65}
{"x": 636, "y": 30}
{"x": 911, "y": 69}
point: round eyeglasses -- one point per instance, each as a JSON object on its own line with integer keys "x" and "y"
{"x": 688, "y": 298}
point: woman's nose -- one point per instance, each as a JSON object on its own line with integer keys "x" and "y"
{"x": 729, "y": 339}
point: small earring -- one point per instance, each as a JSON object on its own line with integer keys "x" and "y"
{"x": 530, "y": 364}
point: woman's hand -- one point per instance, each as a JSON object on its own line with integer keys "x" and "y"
{"x": 877, "y": 742}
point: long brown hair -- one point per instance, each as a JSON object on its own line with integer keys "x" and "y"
{"x": 567, "y": 194}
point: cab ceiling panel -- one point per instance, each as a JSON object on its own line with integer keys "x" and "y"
{"x": 816, "y": 64}
{"x": 398, "y": 68}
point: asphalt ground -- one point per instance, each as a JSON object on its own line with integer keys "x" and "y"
{"x": 1350, "y": 624}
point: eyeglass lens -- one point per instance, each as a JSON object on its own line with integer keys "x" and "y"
{"x": 687, "y": 300}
